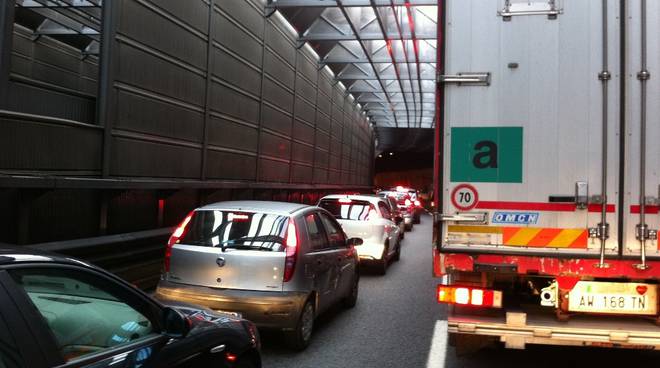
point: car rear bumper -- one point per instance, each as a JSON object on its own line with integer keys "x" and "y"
{"x": 266, "y": 309}
{"x": 370, "y": 251}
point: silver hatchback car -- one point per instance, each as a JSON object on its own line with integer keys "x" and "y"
{"x": 277, "y": 264}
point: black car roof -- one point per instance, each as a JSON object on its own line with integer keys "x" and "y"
{"x": 14, "y": 255}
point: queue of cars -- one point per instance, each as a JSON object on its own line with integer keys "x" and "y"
{"x": 230, "y": 268}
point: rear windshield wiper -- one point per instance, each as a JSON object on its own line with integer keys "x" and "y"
{"x": 240, "y": 242}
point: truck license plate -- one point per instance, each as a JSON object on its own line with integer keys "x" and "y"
{"x": 613, "y": 298}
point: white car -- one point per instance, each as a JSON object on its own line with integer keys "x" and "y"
{"x": 369, "y": 218}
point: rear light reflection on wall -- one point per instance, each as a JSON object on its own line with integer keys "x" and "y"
{"x": 476, "y": 297}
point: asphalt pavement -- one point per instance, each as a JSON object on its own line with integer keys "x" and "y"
{"x": 397, "y": 323}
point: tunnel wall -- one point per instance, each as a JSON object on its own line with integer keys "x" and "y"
{"x": 158, "y": 125}
{"x": 242, "y": 104}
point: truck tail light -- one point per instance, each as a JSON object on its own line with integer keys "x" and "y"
{"x": 291, "y": 250}
{"x": 178, "y": 233}
{"x": 464, "y": 295}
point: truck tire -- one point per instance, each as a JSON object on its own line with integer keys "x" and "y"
{"x": 299, "y": 338}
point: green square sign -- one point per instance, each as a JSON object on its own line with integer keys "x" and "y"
{"x": 486, "y": 155}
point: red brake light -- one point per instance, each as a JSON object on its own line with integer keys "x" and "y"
{"x": 408, "y": 203}
{"x": 176, "y": 235}
{"x": 418, "y": 203}
{"x": 476, "y": 297}
{"x": 291, "y": 250}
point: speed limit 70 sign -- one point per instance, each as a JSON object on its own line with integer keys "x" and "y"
{"x": 464, "y": 197}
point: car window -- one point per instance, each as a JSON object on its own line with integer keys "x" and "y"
{"x": 347, "y": 209}
{"x": 335, "y": 233}
{"x": 82, "y": 314}
{"x": 316, "y": 233}
{"x": 384, "y": 210}
{"x": 236, "y": 229}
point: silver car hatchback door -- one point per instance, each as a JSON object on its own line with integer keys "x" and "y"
{"x": 231, "y": 250}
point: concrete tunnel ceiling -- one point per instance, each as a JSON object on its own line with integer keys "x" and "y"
{"x": 384, "y": 52}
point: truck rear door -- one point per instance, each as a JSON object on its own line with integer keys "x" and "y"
{"x": 529, "y": 132}
{"x": 642, "y": 163}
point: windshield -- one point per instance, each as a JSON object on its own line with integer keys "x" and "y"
{"x": 399, "y": 197}
{"x": 349, "y": 209}
{"x": 233, "y": 229}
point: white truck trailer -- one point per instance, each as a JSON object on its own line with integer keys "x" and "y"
{"x": 548, "y": 171}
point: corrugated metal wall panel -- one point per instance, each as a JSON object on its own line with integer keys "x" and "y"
{"x": 232, "y": 166}
{"x": 233, "y": 134}
{"x": 272, "y": 170}
{"x": 183, "y": 42}
{"x": 137, "y": 114}
{"x": 137, "y": 157}
{"x": 38, "y": 100}
{"x": 226, "y": 99}
{"x": 33, "y": 146}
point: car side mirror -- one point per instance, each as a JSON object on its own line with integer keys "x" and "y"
{"x": 398, "y": 219}
{"x": 354, "y": 241}
{"x": 176, "y": 325}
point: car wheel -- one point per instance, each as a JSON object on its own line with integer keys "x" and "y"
{"x": 351, "y": 299}
{"x": 409, "y": 227}
{"x": 403, "y": 234}
{"x": 397, "y": 255}
{"x": 417, "y": 219}
{"x": 299, "y": 338}
{"x": 381, "y": 266}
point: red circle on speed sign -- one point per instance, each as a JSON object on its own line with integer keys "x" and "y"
{"x": 464, "y": 197}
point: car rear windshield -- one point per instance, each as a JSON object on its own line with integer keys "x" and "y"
{"x": 345, "y": 209}
{"x": 399, "y": 197}
{"x": 235, "y": 229}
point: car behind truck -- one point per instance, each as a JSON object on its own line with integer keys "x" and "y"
{"x": 547, "y": 172}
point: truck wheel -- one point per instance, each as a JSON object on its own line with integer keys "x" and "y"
{"x": 299, "y": 338}
{"x": 351, "y": 299}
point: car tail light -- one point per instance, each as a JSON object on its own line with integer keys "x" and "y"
{"x": 463, "y": 295}
{"x": 408, "y": 203}
{"x": 418, "y": 203}
{"x": 178, "y": 233}
{"x": 291, "y": 251}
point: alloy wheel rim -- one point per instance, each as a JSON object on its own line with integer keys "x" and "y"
{"x": 307, "y": 322}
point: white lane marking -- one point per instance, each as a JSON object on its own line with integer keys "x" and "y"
{"x": 438, "y": 350}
